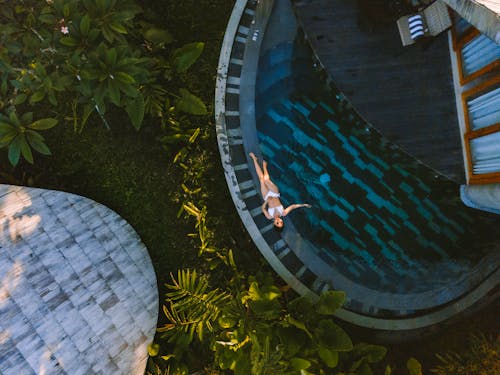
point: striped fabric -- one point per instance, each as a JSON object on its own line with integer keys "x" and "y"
{"x": 416, "y": 26}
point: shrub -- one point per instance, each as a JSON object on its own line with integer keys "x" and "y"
{"x": 75, "y": 58}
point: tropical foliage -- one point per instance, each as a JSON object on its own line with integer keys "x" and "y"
{"x": 222, "y": 319}
{"x": 73, "y": 59}
{"x": 481, "y": 358}
{"x": 20, "y": 135}
{"x": 256, "y": 330}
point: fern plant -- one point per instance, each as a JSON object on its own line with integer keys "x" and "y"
{"x": 192, "y": 307}
{"x": 482, "y": 358}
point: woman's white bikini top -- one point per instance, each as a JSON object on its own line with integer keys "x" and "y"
{"x": 272, "y": 210}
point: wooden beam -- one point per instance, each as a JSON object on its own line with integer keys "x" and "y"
{"x": 486, "y": 178}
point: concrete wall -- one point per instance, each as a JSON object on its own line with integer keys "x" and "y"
{"x": 482, "y": 14}
{"x": 484, "y": 197}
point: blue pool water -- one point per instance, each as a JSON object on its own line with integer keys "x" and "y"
{"x": 379, "y": 217}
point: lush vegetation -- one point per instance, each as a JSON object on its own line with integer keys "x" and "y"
{"x": 73, "y": 58}
{"x": 481, "y": 357}
{"x": 248, "y": 325}
{"x": 66, "y": 91}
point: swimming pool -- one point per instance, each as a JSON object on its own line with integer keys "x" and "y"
{"x": 380, "y": 218}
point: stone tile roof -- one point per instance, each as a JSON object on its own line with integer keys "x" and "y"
{"x": 494, "y": 5}
{"x": 78, "y": 292}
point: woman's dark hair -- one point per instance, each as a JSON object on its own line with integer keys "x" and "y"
{"x": 279, "y": 229}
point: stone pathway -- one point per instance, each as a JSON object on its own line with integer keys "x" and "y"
{"x": 78, "y": 292}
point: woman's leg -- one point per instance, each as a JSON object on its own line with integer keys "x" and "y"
{"x": 263, "y": 188}
{"x": 267, "y": 180}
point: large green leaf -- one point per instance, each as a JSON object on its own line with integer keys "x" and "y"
{"x": 299, "y": 364}
{"x": 364, "y": 369}
{"x": 332, "y": 336}
{"x": 43, "y": 124}
{"x": 292, "y": 339}
{"x": 118, "y": 27}
{"x": 158, "y": 36}
{"x": 263, "y": 301}
{"x": 47, "y": 18}
{"x": 298, "y": 324}
{"x": 87, "y": 110}
{"x": 372, "y": 353}
{"x": 27, "y": 118}
{"x": 68, "y": 41}
{"x": 36, "y": 141}
{"x": 14, "y": 120}
{"x": 414, "y": 366}
{"x": 128, "y": 89}
{"x": 256, "y": 293}
{"x": 52, "y": 98}
{"x": 66, "y": 10}
{"x": 135, "y": 110}
{"x": 190, "y": 103}
{"x": 37, "y": 96}
{"x": 93, "y": 34}
{"x": 20, "y": 99}
{"x": 114, "y": 92}
{"x": 267, "y": 309}
{"x": 111, "y": 56}
{"x": 124, "y": 77}
{"x": 85, "y": 25}
{"x": 7, "y": 128}
{"x": 301, "y": 305}
{"x": 330, "y": 357}
{"x": 330, "y": 301}
{"x": 186, "y": 56}
{"x": 6, "y": 138}
{"x": 25, "y": 149}
{"x": 108, "y": 34}
{"x": 15, "y": 150}
{"x": 3, "y": 86}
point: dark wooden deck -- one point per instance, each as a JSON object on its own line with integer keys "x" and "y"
{"x": 405, "y": 92}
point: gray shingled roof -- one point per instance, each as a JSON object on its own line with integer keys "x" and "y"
{"x": 78, "y": 292}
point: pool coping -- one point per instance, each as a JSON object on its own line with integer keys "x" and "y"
{"x": 231, "y": 143}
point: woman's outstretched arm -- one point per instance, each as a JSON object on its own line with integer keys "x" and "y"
{"x": 294, "y": 206}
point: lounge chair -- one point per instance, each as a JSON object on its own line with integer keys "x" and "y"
{"x": 431, "y": 21}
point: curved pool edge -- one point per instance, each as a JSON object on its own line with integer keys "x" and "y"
{"x": 224, "y": 140}
{"x": 235, "y": 164}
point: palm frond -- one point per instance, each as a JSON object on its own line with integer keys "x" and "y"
{"x": 191, "y": 307}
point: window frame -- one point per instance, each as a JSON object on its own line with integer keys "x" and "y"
{"x": 458, "y": 43}
{"x": 483, "y": 178}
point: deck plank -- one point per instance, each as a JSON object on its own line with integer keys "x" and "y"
{"x": 405, "y": 92}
